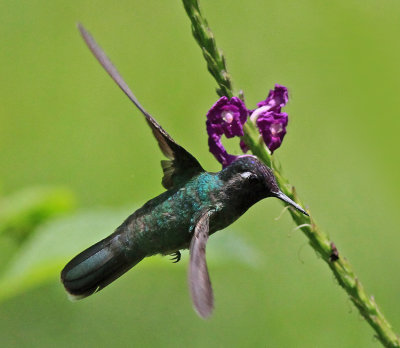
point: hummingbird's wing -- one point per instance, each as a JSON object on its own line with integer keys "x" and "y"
{"x": 181, "y": 165}
{"x": 199, "y": 279}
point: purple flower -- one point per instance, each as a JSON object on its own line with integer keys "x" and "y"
{"x": 269, "y": 119}
{"x": 277, "y": 98}
{"x": 219, "y": 151}
{"x": 243, "y": 146}
{"x": 226, "y": 116}
{"x": 272, "y": 126}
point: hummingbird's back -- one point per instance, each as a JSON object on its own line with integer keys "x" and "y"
{"x": 161, "y": 226}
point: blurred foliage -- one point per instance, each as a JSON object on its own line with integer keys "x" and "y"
{"x": 22, "y": 212}
{"x": 50, "y": 246}
{"x": 64, "y": 123}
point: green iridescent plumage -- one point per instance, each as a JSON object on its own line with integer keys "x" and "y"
{"x": 196, "y": 204}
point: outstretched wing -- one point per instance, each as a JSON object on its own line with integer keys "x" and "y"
{"x": 181, "y": 165}
{"x": 199, "y": 279}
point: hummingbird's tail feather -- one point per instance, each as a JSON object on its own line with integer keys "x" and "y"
{"x": 97, "y": 266}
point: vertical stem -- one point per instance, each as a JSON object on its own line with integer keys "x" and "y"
{"x": 318, "y": 240}
{"x": 214, "y": 57}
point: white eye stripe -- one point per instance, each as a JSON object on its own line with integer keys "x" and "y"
{"x": 246, "y": 175}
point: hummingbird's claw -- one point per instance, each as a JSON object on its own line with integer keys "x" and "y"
{"x": 176, "y": 256}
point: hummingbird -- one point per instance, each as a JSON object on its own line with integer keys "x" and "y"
{"x": 196, "y": 204}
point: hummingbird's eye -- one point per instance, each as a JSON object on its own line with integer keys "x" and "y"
{"x": 251, "y": 177}
{"x": 246, "y": 175}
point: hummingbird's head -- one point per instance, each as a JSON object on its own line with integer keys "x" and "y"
{"x": 255, "y": 180}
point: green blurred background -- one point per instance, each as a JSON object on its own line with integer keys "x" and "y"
{"x": 64, "y": 124}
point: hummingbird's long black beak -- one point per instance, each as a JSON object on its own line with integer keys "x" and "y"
{"x": 286, "y": 199}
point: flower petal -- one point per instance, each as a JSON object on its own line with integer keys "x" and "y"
{"x": 272, "y": 126}
{"x": 226, "y": 117}
{"x": 243, "y": 146}
{"x": 277, "y": 98}
{"x": 219, "y": 151}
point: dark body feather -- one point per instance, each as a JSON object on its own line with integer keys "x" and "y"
{"x": 163, "y": 225}
{"x": 195, "y": 205}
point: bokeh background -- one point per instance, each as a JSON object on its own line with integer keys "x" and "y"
{"x": 76, "y": 158}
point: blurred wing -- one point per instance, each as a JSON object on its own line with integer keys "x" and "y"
{"x": 199, "y": 279}
{"x": 181, "y": 165}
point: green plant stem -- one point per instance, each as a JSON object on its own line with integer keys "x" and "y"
{"x": 318, "y": 240}
{"x": 215, "y": 59}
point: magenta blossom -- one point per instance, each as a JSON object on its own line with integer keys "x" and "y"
{"x": 270, "y": 121}
{"x": 219, "y": 151}
{"x": 226, "y": 117}
{"x": 272, "y": 126}
{"x": 277, "y": 98}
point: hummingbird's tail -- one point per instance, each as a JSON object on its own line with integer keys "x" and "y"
{"x": 98, "y": 266}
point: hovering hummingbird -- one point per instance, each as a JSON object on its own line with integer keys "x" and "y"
{"x": 196, "y": 204}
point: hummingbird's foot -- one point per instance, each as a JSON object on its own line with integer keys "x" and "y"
{"x": 176, "y": 256}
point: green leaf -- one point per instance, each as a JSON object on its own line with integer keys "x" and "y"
{"x": 42, "y": 258}
{"x": 23, "y": 211}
